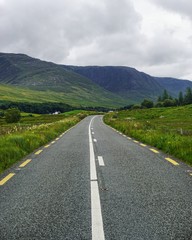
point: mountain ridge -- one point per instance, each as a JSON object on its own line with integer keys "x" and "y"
{"x": 136, "y": 84}
{"x": 20, "y": 70}
{"x": 86, "y": 85}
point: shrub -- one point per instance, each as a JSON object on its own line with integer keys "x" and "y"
{"x": 12, "y": 115}
{"x": 169, "y": 103}
{"x": 136, "y": 106}
{"x": 147, "y": 103}
{"x": 1, "y": 114}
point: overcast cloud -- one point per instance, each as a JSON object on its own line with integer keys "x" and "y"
{"x": 154, "y": 36}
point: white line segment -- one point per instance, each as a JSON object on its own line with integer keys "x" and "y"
{"x": 92, "y": 156}
{"x": 97, "y": 221}
{"x": 101, "y": 161}
{"x": 96, "y": 215}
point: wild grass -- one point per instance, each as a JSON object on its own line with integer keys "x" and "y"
{"x": 32, "y": 133}
{"x": 168, "y": 129}
{"x": 76, "y": 96}
{"x": 29, "y": 121}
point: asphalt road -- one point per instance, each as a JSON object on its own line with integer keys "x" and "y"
{"x": 94, "y": 183}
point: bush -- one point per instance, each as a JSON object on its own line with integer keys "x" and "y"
{"x": 1, "y": 114}
{"x": 159, "y": 104}
{"x": 136, "y": 106}
{"x": 12, "y": 115}
{"x": 147, "y": 103}
{"x": 169, "y": 103}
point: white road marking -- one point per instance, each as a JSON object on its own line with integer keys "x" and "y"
{"x": 97, "y": 221}
{"x": 96, "y": 215}
{"x": 93, "y": 133}
{"x": 95, "y": 140}
{"x": 101, "y": 161}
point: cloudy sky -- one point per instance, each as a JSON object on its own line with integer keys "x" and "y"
{"x": 154, "y": 36}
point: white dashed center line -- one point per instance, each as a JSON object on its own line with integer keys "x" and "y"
{"x": 101, "y": 161}
{"x": 96, "y": 214}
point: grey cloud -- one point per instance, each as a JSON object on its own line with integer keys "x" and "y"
{"x": 183, "y": 7}
{"x": 177, "y": 70}
{"x": 90, "y": 32}
{"x": 50, "y": 29}
{"x": 167, "y": 50}
{"x": 116, "y": 49}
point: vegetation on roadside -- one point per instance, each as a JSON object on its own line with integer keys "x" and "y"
{"x": 12, "y": 115}
{"x": 19, "y": 139}
{"x": 168, "y": 129}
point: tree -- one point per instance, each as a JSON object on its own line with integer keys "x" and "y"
{"x": 176, "y": 102}
{"x": 165, "y": 95}
{"x": 147, "y": 103}
{"x": 180, "y": 99}
{"x": 12, "y": 115}
{"x": 159, "y": 99}
{"x": 188, "y": 96}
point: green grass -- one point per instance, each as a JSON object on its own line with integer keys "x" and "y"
{"x": 168, "y": 129}
{"x": 76, "y": 97}
{"x": 29, "y": 120}
{"x": 18, "y": 140}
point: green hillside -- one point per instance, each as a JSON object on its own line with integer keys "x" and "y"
{"x": 129, "y": 83}
{"x": 86, "y": 86}
{"x": 29, "y": 79}
{"x": 79, "y": 97}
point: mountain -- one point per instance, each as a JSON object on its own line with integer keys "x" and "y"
{"x": 173, "y": 85}
{"x": 23, "y": 78}
{"x": 51, "y": 80}
{"x": 130, "y": 83}
{"x": 124, "y": 81}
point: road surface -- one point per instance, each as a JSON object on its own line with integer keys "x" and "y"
{"x": 94, "y": 183}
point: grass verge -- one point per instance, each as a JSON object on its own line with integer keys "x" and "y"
{"x": 17, "y": 145}
{"x": 168, "y": 129}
